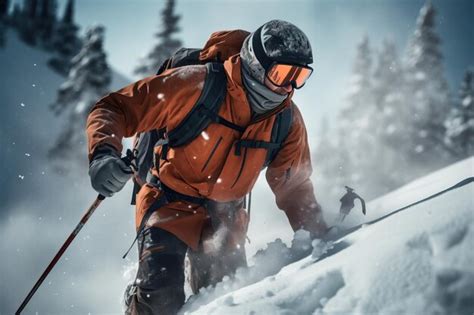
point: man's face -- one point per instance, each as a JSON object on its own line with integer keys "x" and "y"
{"x": 284, "y": 90}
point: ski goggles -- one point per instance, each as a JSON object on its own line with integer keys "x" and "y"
{"x": 281, "y": 74}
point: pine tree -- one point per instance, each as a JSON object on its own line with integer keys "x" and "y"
{"x": 460, "y": 122}
{"x": 27, "y": 23}
{"x": 16, "y": 16}
{"x": 323, "y": 158}
{"x": 389, "y": 120}
{"x": 429, "y": 101}
{"x": 89, "y": 79}
{"x": 4, "y": 6}
{"x": 66, "y": 43}
{"x": 356, "y": 135}
{"x": 166, "y": 46}
{"x": 46, "y": 22}
{"x": 2, "y": 32}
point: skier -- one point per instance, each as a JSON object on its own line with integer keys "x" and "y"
{"x": 194, "y": 201}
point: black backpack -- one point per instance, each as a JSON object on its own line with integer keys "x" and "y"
{"x": 203, "y": 113}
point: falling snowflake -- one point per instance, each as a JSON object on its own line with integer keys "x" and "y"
{"x": 160, "y": 96}
{"x": 205, "y": 135}
{"x": 27, "y": 154}
{"x": 21, "y": 177}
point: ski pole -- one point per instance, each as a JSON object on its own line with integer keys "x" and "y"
{"x": 61, "y": 251}
{"x": 128, "y": 159}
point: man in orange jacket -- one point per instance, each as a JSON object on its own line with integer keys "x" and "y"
{"x": 195, "y": 204}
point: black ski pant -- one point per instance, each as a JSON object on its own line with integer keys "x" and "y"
{"x": 159, "y": 285}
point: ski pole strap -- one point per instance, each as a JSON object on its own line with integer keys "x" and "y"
{"x": 161, "y": 201}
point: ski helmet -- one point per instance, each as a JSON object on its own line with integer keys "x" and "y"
{"x": 276, "y": 42}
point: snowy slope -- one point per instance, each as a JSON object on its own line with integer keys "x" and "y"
{"x": 419, "y": 261}
{"x": 39, "y": 208}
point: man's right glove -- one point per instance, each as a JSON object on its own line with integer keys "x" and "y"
{"x": 108, "y": 172}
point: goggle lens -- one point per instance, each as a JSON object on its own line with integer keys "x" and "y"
{"x": 283, "y": 75}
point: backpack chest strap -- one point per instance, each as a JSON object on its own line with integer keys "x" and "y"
{"x": 219, "y": 120}
{"x": 255, "y": 144}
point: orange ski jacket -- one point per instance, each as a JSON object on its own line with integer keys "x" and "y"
{"x": 208, "y": 167}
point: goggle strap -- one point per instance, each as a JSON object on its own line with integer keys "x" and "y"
{"x": 259, "y": 50}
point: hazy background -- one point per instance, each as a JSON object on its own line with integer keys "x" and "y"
{"x": 333, "y": 26}
{"x": 37, "y": 212}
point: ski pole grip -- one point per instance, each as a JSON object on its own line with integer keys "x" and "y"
{"x": 129, "y": 158}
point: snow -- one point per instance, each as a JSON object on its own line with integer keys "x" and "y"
{"x": 419, "y": 261}
{"x": 431, "y": 243}
{"x": 467, "y": 101}
{"x": 205, "y": 135}
{"x": 31, "y": 188}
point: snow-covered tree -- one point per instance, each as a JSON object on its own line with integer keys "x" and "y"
{"x": 46, "y": 21}
{"x": 4, "y": 6}
{"x": 2, "y": 32}
{"x": 323, "y": 161}
{"x": 388, "y": 121}
{"x": 167, "y": 44}
{"x": 356, "y": 119}
{"x": 460, "y": 122}
{"x": 27, "y": 22}
{"x": 429, "y": 100}
{"x": 16, "y": 16}
{"x": 332, "y": 164}
{"x": 66, "y": 43}
{"x": 89, "y": 79}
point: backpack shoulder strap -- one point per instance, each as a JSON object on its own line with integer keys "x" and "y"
{"x": 205, "y": 110}
{"x": 280, "y": 130}
{"x": 182, "y": 57}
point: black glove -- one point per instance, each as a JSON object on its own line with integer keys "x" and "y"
{"x": 108, "y": 172}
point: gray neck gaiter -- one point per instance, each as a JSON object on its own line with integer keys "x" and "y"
{"x": 260, "y": 97}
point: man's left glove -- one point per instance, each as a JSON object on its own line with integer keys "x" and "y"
{"x": 108, "y": 172}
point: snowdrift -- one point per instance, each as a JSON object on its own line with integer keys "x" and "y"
{"x": 419, "y": 261}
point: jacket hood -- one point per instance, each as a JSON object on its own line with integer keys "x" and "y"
{"x": 222, "y": 45}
